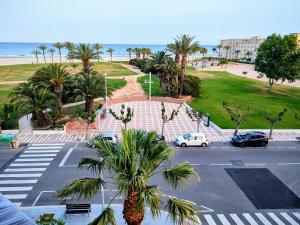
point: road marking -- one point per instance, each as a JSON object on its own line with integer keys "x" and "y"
{"x": 195, "y": 164}
{"x": 50, "y": 147}
{"x": 29, "y": 188}
{"x": 221, "y": 164}
{"x": 25, "y": 170}
{"x": 38, "y": 197}
{"x": 67, "y": 156}
{"x": 263, "y": 219}
{"x": 297, "y": 215}
{"x": 37, "y": 155}
{"x": 18, "y": 204}
{"x": 34, "y": 160}
{"x": 29, "y": 164}
{"x": 290, "y": 219}
{"x": 236, "y": 219}
{"x": 283, "y": 164}
{"x": 223, "y": 219}
{"x": 255, "y": 164}
{"x": 209, "y": 219}
{"x": 206, "y": 209}
{"x": 18, "y": 181}
{"x": 49, "y": 144}
{"x": 42, "y": 151}
{"x": 21, "y": 175}
{"x": 249, "y": 219}
{"x": 16, "y": 196}
{"x": 276, "y": 219}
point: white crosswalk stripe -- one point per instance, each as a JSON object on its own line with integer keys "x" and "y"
{"x": 45, "y": 147}
{"x": 297, "y": 215}
{"x": 25, "y": 170}
{"x": 210, "y": 220}
{"x": 37, "y": 155}
{"x": 41, "y": 151}
{"x": 47, "y": 144}
{"x": 236, "y": 219}
{"x": 249, "y": 219}
{"x": 34, "y": 160}
{"x": 275, "y": 218}
{"x": 21, "y": 175}
{"x": 289, "y": 218}
{"x": 16, "y": 188}
{"x": 16, "y": 196}
{"x": 263, "y": 219}
{"x": 223, "y": 219}
{"x": 18, "y": 181}
{"x": 29, "y": 164}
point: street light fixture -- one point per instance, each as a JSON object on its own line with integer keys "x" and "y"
{"x": 105, "y": 77}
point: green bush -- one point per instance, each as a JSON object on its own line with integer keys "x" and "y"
{"x": 192, "y": 86}
{"x": 48, "y": 219}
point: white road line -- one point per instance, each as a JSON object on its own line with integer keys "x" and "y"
{"x": 29, "y": 188}
{"x": 25, "y": 170}
{"x": 37, "y": 155}
{"x": 21, "y": 175}
{"x": 249, "y": 219}
{"x": 47, "y": 144}
{"x": 223, "y": 219}
{"x": 290, "y": 219}
{"x": 221, "y": 164}
{"x": 276, "y": 219}
{"x": 16, "y": 196}
{"x": 42, "y": 151}
{"x": 29, "y": 164}
{"x": 38, "y": 197}
{"x": 65, "y": 157}
{"x": 236, "y": 219}
{"x": 297, "y": 215}
{"x": 283, "y": 164}
{"x": 34, "y": 160}
{"x": 255, "y": 164}
{"x": 209, "y": 219}
{"x": 18, "y": 181}
{"x": 44, "y": 147}
{"x": 263, "y": 219}
{"x": 18, "y": 204}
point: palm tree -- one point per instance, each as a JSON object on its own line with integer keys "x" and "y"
{"x": 158, "y": 60}
{"x": 110, "y": 51}
{"x": 226, "y": 47}
{"x": 248, "y": 54}
{"x": 129, "y": 50}
{"x": 219, "y": 50}
{"x": 36, "y": 53}
{"x": 70, "y": 46}
{"x": 186, "y": 46}
{"x": 137, "y": 53}
{"x": 43, "y": 48}
{"x": 203, "y": 51}
{"x": 98, "y": 48}
{"x": 214, "y": 50}
{"x": 237, "y": 52}
{"x": 52, "y": 50}
{"x": 148, "y": 52}
{"x": 132, "y": 163}
{"x": 55, "y": 77}
{"x": 174, "y": 48}
{"x": 59, "y": 46}
{"x": 85, "y": 53}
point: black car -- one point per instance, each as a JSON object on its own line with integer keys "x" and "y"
{"x": 160, "y": 138}
{"x": 253, "y": 138}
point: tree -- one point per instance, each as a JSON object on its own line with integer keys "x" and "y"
{"x": 214, "y": 50}
{"x": 43, "y": 48}
{"x": 297, "y": 116}
{"x": 137, "y": 53}
{"x": 238, "y": 114}
{"x": 175, "y": 49}
{"x": 85, "y": 53}
{"x": 223, "y": 61}
{"x": 158, "y": 60}
{"x": 186, "y": 45}
{"x": 226, "y": 47}
{"x": 52, "y": 50}
{"x": 110, "y": 51}
{"x": 278, "y": 59}
{"x": 89, "y": 118}
{"x": 124, "y": 118}
{"x": 237, "y": 52}
{"x": 53, "y": 114}
{"x": 219, "y": 50}
{"x": 129, "y": 50}
{"x": 36, "y": 53}
{"x": 195, "y": 116}
{"x": 132, "y": 163}
{"x": 203, "y": 51}
{"x": 272, "y": 119}
{"x": 248, "y": 54}
{"x": 98, "y": 48}
{"x": 59, "y": 46}
{"x": 55, "y": 77}
{"x": 165, "y": 118}
{"x": 70, "y": 47}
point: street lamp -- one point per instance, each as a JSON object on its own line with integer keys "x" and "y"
{"x": 105, "y": 77}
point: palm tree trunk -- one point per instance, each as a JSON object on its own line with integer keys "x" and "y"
{"x": 271, "y": 130}
{"x": 59, "y": 51}
{"x": 41, "y": 119}
{"x": 182, "y": 74}
{"x": 58, "y": 96}
{"x": 131, "y": 214}
{"x": 236, "y": 129}
{"x": 86, "y": 67}
{"x": 88, "y": 104}
{"x": 44, "y": 57}
{"x": 162, "y": 128}
{"x": 37, "y": 59}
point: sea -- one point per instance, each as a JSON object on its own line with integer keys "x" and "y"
{"x": 10, "y": 49}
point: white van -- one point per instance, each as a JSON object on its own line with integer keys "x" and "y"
{"x": 192, "y": 139}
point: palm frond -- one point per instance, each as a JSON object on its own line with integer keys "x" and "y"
{"x": 107, "y": 217}
{"x": 150, "y": 196}
{"x": 92, "y": 163}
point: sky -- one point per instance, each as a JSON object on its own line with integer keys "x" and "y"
{"x": 144, "y": 21}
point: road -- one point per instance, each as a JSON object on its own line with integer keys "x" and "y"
{"x": 34, "y": 176}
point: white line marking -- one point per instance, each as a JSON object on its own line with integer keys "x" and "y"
{"x": 263, "y": 219}
{"x": 236, "y": 219}
{"x": 249, "y": 218}
{"x": 290, "y": 219}
{"x": 209, "y": 219}
{"x": 276, "y": 219}
{"x": 65, "y": 157}
{"x": 37, "y": 155}
{"x": 297, "y": 215}
{"x": 29, "y": 164}
{"x": 38, "y": 197}
{"x": 283, "y": 164}
{"x": 18, "y": 204}
{"x": 16, "y": 188}
{"x": 42, "y": 151}
{"x": 16, "y": 196}
{"x": 40, "y": 148}
{"x": 223, "y": 219}
{"x": 34, "y": 160}
{"x": 255, "y": 164}
{"x": 221, "y": 164}
{"x": 25, "y": 170}
{"x": 49, "y": 144}
{"x": 21, "y": 175}
{"x": 18, "y": 181}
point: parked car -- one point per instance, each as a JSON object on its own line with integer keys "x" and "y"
{"x": 160, "y": 138}
{"x": 253, "y": 138}
{"x": 192, "y": 139}
{"x": 109, "y": 136}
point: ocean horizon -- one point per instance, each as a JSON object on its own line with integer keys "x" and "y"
{"x": 18, "y": 49}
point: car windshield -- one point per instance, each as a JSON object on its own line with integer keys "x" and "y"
{"x": 186, "y": 136}
{"x": 244, "y": 136}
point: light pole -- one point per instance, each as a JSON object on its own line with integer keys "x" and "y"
{"x": 105, "y": 77}
{"x": 150, "y": 86}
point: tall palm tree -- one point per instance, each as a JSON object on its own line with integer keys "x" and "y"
{"x": 174, "y": 48}
{"x": 85, "y": 53}
{"x": 132, "y": 163}
{"x": 203, "y": 51}
{"x": 110, "y": 51}
{"x": 158, "y": 60}
{"x": 70, "y": 47}
{"x": 36, "y": 53}
{"x": 43, "y": 48}
{"x": 186, "y": 46}
{"x": 214, "y": 50}
{"x": 129, "y": 50}
{"x": 98, "y": 48}
{"x": 59, "y": 46}
{"x": 137, "y": 53}
{"x": 237, "y": 52}
{"x": 226, "y": 47}
{"x": 219, "y": 50}
{"x": 248, "y": 54}
{"x": 52, "y": 50}
{"x": 55, "y": 77}
{"x": 148, "y": 52}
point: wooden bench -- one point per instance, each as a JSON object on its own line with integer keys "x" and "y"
{"x": 78, "y": 208}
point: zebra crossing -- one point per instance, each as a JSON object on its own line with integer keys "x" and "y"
{"x": 259, "y": 218}
{"x": 18, "y": 179}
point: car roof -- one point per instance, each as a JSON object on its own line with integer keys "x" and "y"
{"x": 256, "y": 132}
{"x": 196, "y": 134}
{"x": 108, "y": 134}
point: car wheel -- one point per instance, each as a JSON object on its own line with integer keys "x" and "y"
{"x": 203, "y": 145}
{"x": 243, "y": 145}
{"x": 263, "y": 144}
{"x": 183, "y": 145}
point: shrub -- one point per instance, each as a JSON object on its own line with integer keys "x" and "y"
{"x": 192, "y": 86}
{"x": 48, "y": 219}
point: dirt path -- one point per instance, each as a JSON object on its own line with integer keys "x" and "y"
{"x": 12, "y": 82}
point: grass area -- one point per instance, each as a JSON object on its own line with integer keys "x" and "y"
{"x": 155, "y": 90}
{"x": 24, "y": 71}
{"x": 113, "y": 84}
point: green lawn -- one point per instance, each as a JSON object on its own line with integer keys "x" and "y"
{"x": 24, "y": 71}
{"x": 155, "y": 85}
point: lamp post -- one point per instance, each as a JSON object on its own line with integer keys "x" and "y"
{"x": 150, "y": 86}
{"x": 105, "y": 77}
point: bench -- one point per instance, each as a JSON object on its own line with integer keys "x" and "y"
{"x": 78, "y": 208}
